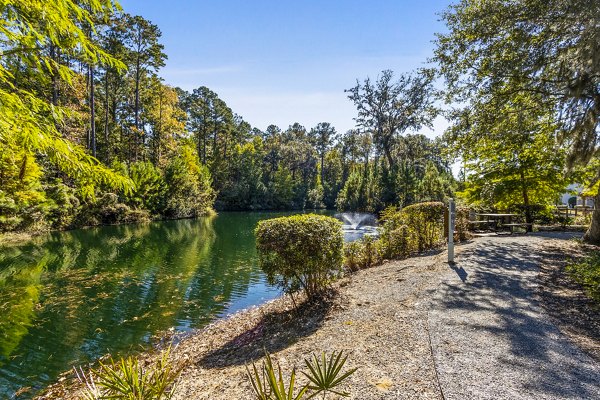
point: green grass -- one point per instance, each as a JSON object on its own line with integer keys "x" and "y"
{"x": 587, "y": 272}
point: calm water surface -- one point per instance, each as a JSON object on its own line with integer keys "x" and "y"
{"x": 70, "y": 297}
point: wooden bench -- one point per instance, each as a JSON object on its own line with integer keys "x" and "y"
{"x": 512, "y": 226}
{"x": 491, "y": 225}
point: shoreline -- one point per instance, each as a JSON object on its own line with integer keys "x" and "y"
{"x": 11, "y": 238}
{"x": 219, "y": 331}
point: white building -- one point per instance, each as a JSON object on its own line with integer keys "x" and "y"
{"x": 574, "y": 190}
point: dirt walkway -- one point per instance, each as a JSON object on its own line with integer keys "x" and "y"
{"x": 376, "y": 319}
{"x": 491, "y": 337}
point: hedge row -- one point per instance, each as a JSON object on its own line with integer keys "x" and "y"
{"x": 307, "y": 251}
{"x": 415, "y": 228}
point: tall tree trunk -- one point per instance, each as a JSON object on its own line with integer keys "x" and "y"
{"x": 136, "y": 107}
{"x": 388, "y": 156}
{"x": 204, "y": 148}
{"x": 92, "y": 112}
{"x": 322, "y": 161}
{"x": 214, "y": 149}
{"x": 157, "y": 139}
{"x": 593, "y": 233}
{"x": 528, "y": 217}
{"x": 106, "y": 116}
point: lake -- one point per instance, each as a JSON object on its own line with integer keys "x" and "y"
{"x": 68, "y": 298}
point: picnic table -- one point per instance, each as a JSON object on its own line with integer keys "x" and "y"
{"x": 498, "y": 221}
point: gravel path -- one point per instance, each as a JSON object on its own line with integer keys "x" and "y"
{"x": 492, "y": 339}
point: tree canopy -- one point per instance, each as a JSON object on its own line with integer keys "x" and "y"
{"x": 530, "y": 58}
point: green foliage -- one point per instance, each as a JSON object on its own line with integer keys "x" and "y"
{"x": 66, "y": 204}
{"x": 300, "y": 251}
{"x": 149, "y": 187}
{"x": 587, "y": 272}
{"x": 532, "y": 78}
{"x": 80, "y": 90}
{"x": 190, "y": 193}
{"x": 425, "y": 220}
{"x": 359, "y": 193}
{"x": 28, "y": 123}
{"x": 324, "y": 375}
{"x": 107, "y": 210}
{"x": 398, "y": 242}
{"x": 269, "y": 385}
{"x": 435, "y": 186}
{"x": 283, "y": 188}
{"x": 127, "y": 379}
{"x": 363, "y": 253}
{"x": 463, "y": 216}
{"x": 414, "y": 228}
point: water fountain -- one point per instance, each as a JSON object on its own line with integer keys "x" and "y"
{"x": 356, "y": 225}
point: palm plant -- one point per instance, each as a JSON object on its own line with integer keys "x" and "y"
{"x": 324, "y": 375}
{"x": 126, "y": 379}
{"x": 268, "y": 385}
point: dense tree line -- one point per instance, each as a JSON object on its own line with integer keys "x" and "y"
{"x": 120, "y": 145}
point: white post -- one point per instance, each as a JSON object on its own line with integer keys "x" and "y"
{"x": 451, "y": 222}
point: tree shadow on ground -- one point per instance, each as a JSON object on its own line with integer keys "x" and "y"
{"x": 567, "y": 302}
{"x": 274, "y": 332}
{"x": 500, "y": 297}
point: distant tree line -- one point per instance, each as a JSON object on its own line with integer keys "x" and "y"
{"x": 90, "y": 133}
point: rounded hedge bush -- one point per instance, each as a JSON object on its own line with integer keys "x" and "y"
{"x": 300, "y": 252}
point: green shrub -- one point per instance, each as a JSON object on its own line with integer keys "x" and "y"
{"x": 324, "y": 375}
{"x": 418, "y": 227}
{"x": 189, "y": 191}
{"x": 353, "y": 255}
{"x": 462, "y": 224}
{"x": 127, "y": 379}
{"x": 300, "y": 251}
{"x": 65, "y": 204}
{"x": 149, "y": 187}
{"x": 540, "y": 213}
{"x": 363, "y": 253}
{"x": 421, "y": 223}
{"x": 587, "y": 272}
{"x": 426, "y": 220}
{"x": 108, "y": 211}
{"x": 398, "y": 243}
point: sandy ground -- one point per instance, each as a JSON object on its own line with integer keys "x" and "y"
{"x": 416, "y": 329}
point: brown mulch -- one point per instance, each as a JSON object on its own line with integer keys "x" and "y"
{"x": 576, "y": 314}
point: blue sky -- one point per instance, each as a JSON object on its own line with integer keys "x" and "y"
{"x": 280, "y": 62}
